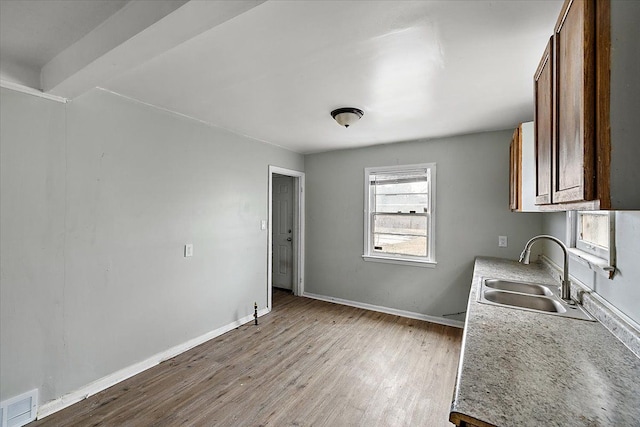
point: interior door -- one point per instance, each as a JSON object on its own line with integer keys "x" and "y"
{"x": 282, "y": 228}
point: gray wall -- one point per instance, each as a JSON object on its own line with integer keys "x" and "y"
{"x": 472, "y": 200}
{"x": 625, "y": 103}
{"x": 98, "y": 197}
{"x": 623, "y": 291}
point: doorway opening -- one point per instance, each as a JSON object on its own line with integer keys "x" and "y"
{"x": 285, "y": 261}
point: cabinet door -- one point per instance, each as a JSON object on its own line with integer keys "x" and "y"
{"x": 573, "y": 157}
{"x": 543, "y": 124}
{"x": 515, "y": 171}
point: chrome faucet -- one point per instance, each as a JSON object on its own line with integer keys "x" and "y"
{"x": 565, "y": 288}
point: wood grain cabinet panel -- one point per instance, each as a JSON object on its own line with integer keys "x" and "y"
{"x": 515, "y": 171}
{"x": 573, "y": 160}
{"x": 543, "y": 125}
{"x": 462, "y": 420}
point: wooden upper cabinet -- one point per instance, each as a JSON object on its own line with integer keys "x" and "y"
{"x": 573, "y": 157}
{"x": 587, "y": 98}
{"x": 543, "y": 125}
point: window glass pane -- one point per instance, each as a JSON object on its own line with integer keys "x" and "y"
{"x": 400, "y": 245}
{"x": 401, "y": 192}
{"x": 594, "y": 229}
{"x": 400, "y": 234}
{"x": 406, "y": 187}
{"x": 405, "y": 203}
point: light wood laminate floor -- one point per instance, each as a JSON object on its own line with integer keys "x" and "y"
{"x": 308, "y": 363}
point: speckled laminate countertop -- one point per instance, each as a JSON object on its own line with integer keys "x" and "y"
{"x": 521, "y": 368}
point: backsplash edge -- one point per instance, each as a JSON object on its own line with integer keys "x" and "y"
{"x": 622, "y": 327}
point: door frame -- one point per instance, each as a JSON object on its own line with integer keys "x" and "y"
{"x": 298, "y": 224}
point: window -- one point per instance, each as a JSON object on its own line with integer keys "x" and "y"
{"x": 399, "y": 214}
{"x": 591, "y": 237}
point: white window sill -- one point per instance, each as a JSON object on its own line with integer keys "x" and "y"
{"x": 599, "y": 265}
{"x": 401, "y": 261}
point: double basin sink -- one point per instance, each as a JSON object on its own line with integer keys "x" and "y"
{"x": 528, "y": 296}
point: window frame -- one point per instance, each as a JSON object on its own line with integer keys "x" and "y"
{"x": 369, "y": 254}
{"x": 596, "y": 258}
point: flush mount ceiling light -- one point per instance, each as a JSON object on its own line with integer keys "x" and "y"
{"x": 347, "y": 116}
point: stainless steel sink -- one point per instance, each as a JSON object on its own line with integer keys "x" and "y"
{"x": 525, "y": 288}
{"x": 528, "y": 296}
{"x": 524, "y": 301}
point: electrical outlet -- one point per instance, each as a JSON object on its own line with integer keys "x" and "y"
{"x": 188, "y": 250}
{"x": 502, "y": 241}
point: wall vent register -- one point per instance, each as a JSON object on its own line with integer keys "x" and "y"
{"x": 19, "y": 410}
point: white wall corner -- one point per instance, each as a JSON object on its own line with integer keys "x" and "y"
{"x": 6, "y": 84}
{"x": 20, "y": 74}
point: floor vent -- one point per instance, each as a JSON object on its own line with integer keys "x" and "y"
{"x": 19, "y": 410}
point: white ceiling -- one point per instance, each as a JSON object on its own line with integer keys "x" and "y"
{"x": 27, "y": 26}
{"x": 274, "y": 70}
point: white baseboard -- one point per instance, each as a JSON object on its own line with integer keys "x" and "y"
{"x": 387, "y": 310}
{"x": 121, "y": 375}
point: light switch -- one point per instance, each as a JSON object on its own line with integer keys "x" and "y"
{"x": 263, "y": 225}
{"x": 502, "y": 241}
{"x": 188, "y": 250}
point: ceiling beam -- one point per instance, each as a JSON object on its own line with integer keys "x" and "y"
{"x": 135, "y": 34}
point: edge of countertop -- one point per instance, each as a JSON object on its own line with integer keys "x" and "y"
{"x": 466, "y": 397}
